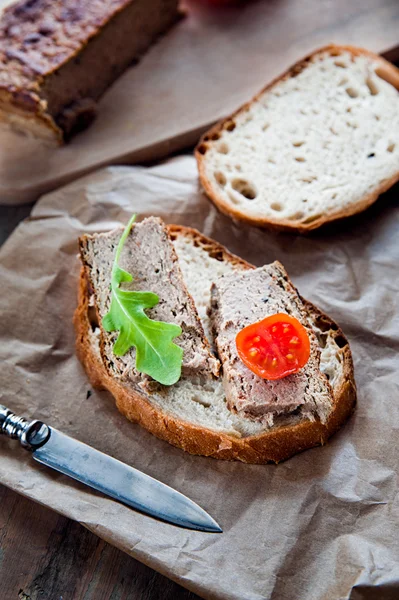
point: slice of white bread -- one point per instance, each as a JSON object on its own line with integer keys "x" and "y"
{"x": 193, "y": 415}
{"x": 319, "y": 143}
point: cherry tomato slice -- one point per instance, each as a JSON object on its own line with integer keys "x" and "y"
{"x": 275, "y": 347}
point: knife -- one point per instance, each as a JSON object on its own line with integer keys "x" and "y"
{"x": 112, "y": 477}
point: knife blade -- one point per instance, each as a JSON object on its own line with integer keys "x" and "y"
{"x": 105, "y": 474}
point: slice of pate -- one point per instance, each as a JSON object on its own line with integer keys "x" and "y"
{"x": 239, "y": 299}
{"x": 149, "y": 256}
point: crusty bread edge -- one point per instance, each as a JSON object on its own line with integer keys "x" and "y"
{"x": 391, "y": 74}
{"x": 270, "y": 446}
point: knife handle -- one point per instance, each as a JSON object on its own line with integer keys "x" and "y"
{"x": 31, "y": 434}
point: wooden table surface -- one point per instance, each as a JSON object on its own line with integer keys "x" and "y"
{"x": 44, "y": 556}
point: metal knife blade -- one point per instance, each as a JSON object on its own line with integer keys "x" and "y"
{"x": 108, "y": 475}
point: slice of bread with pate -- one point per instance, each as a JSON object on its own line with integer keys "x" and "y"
{"x": 203, "y": 413}
{"x": 317, "y": 144}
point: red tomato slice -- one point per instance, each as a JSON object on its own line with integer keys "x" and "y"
{"x": 274, "y": 347}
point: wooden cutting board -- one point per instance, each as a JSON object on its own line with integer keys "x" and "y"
{"x": 205, "y": 67}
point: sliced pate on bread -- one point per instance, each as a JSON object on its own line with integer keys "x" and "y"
{"x": 150, "y": 255}
{"x": 319, "y": 143}
{"x": 267, "y": 291}
{"x": 201, "y": 413}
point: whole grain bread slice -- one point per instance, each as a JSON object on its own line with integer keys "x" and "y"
{"x": 317, "y": 144}
{"x": 193, "y": 414}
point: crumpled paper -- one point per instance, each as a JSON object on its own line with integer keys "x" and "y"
{"x": 323, "y": 525}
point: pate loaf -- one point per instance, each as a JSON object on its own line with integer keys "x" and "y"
{"x": 57, "y": 57}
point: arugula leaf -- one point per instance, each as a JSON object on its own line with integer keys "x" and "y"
{"x": 156, "y": 354}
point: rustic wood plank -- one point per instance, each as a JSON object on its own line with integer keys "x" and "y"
{"x": 44, "y": 556}
{"x": 10, "y": 216}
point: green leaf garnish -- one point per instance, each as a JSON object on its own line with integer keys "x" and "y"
{"x": 156, "y": 354}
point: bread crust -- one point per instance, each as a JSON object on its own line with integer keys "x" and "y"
{"x": 387, "y": 71}
{"x": 273, "y": 445}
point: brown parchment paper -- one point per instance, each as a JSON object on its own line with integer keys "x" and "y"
{"x": 202, "y": 69}
{"x": 321, "y": 526}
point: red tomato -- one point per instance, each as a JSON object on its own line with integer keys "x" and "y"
{"x": 274, "y": 347}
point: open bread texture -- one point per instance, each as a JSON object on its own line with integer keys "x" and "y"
{"x": 57, "y": 58}
{"x": 193, "y": 414}
{"x": 317, "y": 144}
